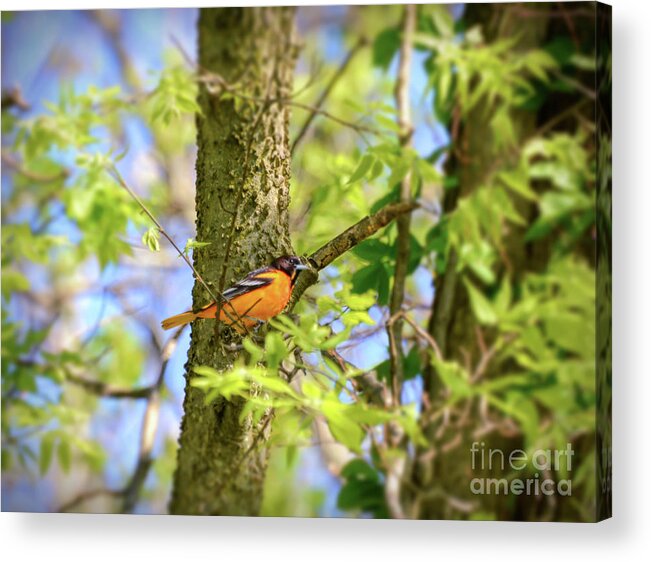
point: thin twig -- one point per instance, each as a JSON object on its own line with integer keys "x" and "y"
{"x": 109, "y": 22}
{"x": 394, "y": 331}
{"x": 374, "y": 390}
{"x": 106, "y": 390}
{"x": 149, "y": 428}
{"x": 396, "y": 465}
{"x": 14, "y": 98}
{"x": 118, "y": 177}
{"x": 575, "y": 84}
{"x": 359, "y": 128}
{"x": 327, "y": 90}
{"x": 216, "y": 86}
{"x": 421, "y": 332}
{"x": 488, "y": 354}
{"x": 15, "y": 165}
{"x": 87, "y": 495}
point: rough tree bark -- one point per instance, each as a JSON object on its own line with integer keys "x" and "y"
{"x": 242, "y": 197}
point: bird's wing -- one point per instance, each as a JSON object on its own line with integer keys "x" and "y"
{"x": 254, "y": 280}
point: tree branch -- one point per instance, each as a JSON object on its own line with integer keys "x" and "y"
{"x": 13, "y": 163}
{"x": 230, "y": 311}
{"x": 130, "y": 493}
{"x": 345, "y": 241}
{"x": 14, "y": 98}
{"x": 423, "y": 334}
{"x": 87, "y": 495}
{"x": 109, "y": 22}
{"x": 359, "y": 232}
{"x": 216, "y": 85}
{"x": 148, "y": 431}
{"x": 106, "y": 390}
{"x": 394, "y": 330}
{"x": 368, "y": 383}
{"x": 326, "y": 92}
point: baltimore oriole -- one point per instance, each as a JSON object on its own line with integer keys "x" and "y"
{"x": 261, "y": 295}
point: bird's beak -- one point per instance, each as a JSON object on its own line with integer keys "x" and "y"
{"x": 301, "y": 266}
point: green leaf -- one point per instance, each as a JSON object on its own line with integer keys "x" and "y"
{"x": 339, "y": 338}
{"x": 504, "y": 297}
{"x": 412, "y": 363}
{"x": 383, "y": 286}
{"x": 583, "y": 62}
{"x": 291, "y": 455}
{"x": 378, "y": 168}
{"x": 450, "y": 182}
{"x": 416, "y": 251}
{"x": 454, "y": 377}
{"x": 365, "y": 164}
{"x": 554, "y": 207}
{"x": 561, "y": 48}
{"x": 122, "y": 357}
{"x": 13, "y": 281}
{"x": 274, "y": 384}
{"x": 539, "y": 62}
{"x": 205, "y": 371}
{"x": 385, "y": 47}
{"x": 64, "y": 455}
{"x": 343, "y": 429}
{"x": 150, "y": 239}
{"x": 391, "y": 197}
{"x": 479, "y": 257}
{"x": 359, "y": 469}
{"x": 372, "y": 277}
{"x": 365, "y": 279}
{"x": 194, "y": 245}
{"x": 276, "y": 349}
{"x": 571, "y": 332}
{"x": 355, "y": 301}
{"x": 481, "y": 306}
{"x": 45, "y": 456}
{"x": 355, "y": 318}
{"x": 372, "y": 250}
{"x": 387, "y": 123}
{"x": 443, "y": 21}
{"x": 518, "y": 182}
{"x": 253, "y": 350}
{"x": 362, "y": 490}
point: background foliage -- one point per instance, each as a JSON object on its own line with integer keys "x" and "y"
{"x": 86, "y": 279}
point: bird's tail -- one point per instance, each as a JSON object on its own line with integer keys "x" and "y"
{"x": 178, "y": 320}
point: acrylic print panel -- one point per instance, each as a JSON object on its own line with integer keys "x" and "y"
{"x": 327, "y": 261}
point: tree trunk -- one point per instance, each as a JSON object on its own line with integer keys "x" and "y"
{"x": 242, "y": 197}
{"x": 452, "y": 322}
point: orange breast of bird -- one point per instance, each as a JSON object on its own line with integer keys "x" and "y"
{"x": 259, "y": 304}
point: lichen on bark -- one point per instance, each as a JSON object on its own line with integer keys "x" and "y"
{"x": 242, "y": 199}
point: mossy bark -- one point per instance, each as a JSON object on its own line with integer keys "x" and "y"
{"x": 242, "y": 198}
